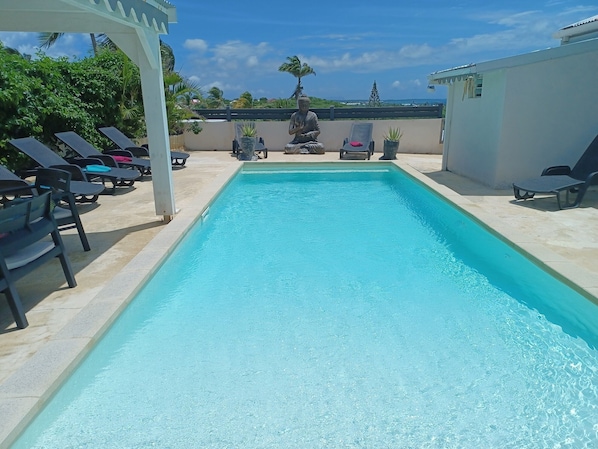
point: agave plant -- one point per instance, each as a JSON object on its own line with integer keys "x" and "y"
{"x": 248, "y": 130}
{"x": 393, "y": 134}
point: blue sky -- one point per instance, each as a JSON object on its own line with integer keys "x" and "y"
{"x": 239, "y": 45}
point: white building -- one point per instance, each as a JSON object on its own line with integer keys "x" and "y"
{"x": 508, "y": 119}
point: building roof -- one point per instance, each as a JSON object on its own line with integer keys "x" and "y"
{"x": 584, "y": 28}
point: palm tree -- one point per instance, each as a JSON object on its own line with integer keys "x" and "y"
{"x": 215, "y": 98}
{"x": 298, "y": 70}
{"x": 46, "y": 40}
{"x": 179, "y": 94}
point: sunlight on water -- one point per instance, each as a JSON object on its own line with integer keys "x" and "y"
{"x": 337, "y": 310}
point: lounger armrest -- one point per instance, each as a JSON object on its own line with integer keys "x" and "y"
{"x": 107, "y": 160}
{"x": 557, "y": 170}
{"x": 345, "y": 141}
{"x": 592, "y": 179}
{"x": 138, "y": 151}
{"x": 85, "y": 161}
{"x": 124, "y": 153}
{"x": 77, "y": 173}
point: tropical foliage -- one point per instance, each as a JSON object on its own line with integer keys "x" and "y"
{"x": 179, "y": 95}
{"x": 43, "y": 95}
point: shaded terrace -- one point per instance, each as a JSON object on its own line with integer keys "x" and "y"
{"x": 135, "y": 27}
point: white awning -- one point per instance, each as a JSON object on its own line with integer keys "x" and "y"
{"x": 587, "y": 27}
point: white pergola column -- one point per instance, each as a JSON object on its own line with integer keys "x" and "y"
{"x": 145, "y": 52}
{"x": 152, "y": 85}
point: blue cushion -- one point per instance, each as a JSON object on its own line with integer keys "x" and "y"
{"x": 96, "y": 168}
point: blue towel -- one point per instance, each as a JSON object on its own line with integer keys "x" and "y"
{"x": 96, "y": 168}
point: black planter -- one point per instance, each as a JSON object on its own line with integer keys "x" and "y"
{"x": 390, "y": 150}
{"x": 247, "y": 152}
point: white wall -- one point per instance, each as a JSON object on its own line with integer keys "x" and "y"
{"x": 551, "y": 115}
{"x": 419, "y": 135}
{"x": 472, "y": 146}
{"x": 529, "y": 117}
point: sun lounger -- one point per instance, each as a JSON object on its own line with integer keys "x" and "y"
{"x": 83, "y": 169}
{"x": 57, "y": 182}
{"x": 360, "y": 140}
{"x": 83, "y": 190}
{"x": 112, "y": 158}
{"x": 124, "y": 143}
{"x": 24, "y": 228}
{"x": 563, "y": 179}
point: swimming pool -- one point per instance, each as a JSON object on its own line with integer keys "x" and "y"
{"x": 337, "y": 309}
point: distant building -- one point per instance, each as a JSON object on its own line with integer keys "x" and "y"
{"x": 510, "y": 118}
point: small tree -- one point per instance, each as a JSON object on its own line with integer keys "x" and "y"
{"x": 374, "y": 97}
{"x": 245, "y": 101}
{"x": 298, "y": 70}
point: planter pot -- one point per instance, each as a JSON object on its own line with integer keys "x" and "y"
{"x": 390, "y": 150}
{"x": 247, "y": 152}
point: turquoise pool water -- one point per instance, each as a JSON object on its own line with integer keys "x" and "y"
{"x": 330, "y": 309}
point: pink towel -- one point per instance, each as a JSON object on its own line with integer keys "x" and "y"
{"x": 122, "y": 158}
{"x": 356, "y": 144}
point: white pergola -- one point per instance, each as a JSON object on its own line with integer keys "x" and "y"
{"x": 133, "y": 25}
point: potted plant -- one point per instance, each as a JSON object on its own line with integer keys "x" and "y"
{"x": 248, "y": 134}
{"x": 391, "y": 143}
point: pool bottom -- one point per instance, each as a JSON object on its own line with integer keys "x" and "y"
{"x": 268, "y": 371}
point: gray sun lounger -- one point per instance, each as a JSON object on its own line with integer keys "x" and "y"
{"x": 112, "y": 158}
{"x": 83, "y": 190}
{"x": 124, "y": 143}
{"x": 360, "y": 140}
{"x": 564, "y": 179}
{"x": 47, "y": 158}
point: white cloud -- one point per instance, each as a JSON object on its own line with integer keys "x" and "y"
{"x": 416, "y": 51}
{"x": 196, "y": 44}
{"x": 240, "y": 50}
{"x": 396, "y": 84}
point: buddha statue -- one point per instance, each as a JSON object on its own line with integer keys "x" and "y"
{"x": 304, "y": 125}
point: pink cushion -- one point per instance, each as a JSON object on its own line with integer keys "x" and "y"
{"x": 122, "y": 158}
{"x": 356, "y": 144}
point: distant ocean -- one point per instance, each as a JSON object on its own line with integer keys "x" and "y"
{"x": 408, "y": 101}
